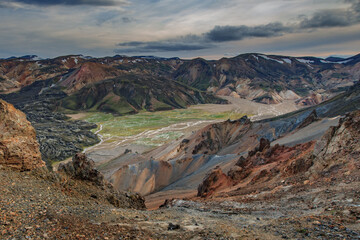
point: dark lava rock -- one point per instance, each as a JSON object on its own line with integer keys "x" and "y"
{"x": 82, "y": 168}
{"x": 59, "y": 137}
{"x": 313, "y": 117}
{"x": 173, "y": 226}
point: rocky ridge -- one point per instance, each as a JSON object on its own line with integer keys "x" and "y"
{"x": 18, "y": 146}
{"x": 334, "y": 155}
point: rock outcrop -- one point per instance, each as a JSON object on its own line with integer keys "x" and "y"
{"x": 262, "y": 168}
{"x": 214, "y": 181}
{"x": 313, "y": 117}
{"x": 338, "y": 151}
{"x": 18, "y": 146}
{"x": 82, "y": 168}
{"x": 217, "y": 136}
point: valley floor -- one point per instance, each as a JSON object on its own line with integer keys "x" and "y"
{"x": 145, "y": 131}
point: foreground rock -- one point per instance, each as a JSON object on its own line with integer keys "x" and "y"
{"x": 18, "y": 146}
{"x": 82, "y": 168}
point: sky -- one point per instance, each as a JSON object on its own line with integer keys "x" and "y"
{"x": 211, "y": 29}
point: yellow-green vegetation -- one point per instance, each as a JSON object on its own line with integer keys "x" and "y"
{"x": 131, "y": 125}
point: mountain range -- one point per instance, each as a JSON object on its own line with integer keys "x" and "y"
{"x": 135, "y": 83}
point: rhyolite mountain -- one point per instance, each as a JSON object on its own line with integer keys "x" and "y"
{"x": 268, "y": 78}
{"x": 259, "y": 77}
{"x": 128, "y": 93}
{"x": 119, "y": 85}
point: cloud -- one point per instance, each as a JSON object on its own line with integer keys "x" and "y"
{"x": 183, "y": 43}
{"x": 321, "y": 19}
{"x": 66, "y": 2}
{"x": 106, "y": 16}
{"x": 330, "y": 18}
{"x": 234, "y": 33}
{"x": 334, "y": 17}
{"x": 126, "y": 20}
{"x": 206, "y": 40}
{"x": 161, "y": 46}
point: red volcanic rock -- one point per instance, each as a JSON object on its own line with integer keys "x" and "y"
{"x": 214, "y": 181}
{"x": 18, "y": 146}
{"x": 263, "y": 165}
{"x": 336, "y": 155}
{"x": 88, "y": 73}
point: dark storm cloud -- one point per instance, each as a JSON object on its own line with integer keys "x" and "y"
{"x": 184, "y": 43}
{"x": 160, "y": 46}
{"x": 71, "y": 2}
{"x": 126, "y": 19}
{"x": 234, "y": 33}
{"x": 206, "y": 40}
{"x": 334, "y": 17}
{"x": 330, "y": 18}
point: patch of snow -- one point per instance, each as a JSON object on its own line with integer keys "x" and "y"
{"x": 267, "y": 58}
{"x": 305, "y": 60}
{"x": 287, "y": 60}
{"x": 36, "y": 58}
{"x": 64, "y": 60}
{"x": 324, "y": 61}
{"x": 76, "y": 60}
{"x": 346, "y": 61}
{"x": 256, "y": 57}
{"x": 85, "y": 57}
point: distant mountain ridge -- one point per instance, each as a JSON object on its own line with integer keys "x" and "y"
{"x": 254, "y": 76}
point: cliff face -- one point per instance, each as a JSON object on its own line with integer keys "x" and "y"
{"x": 338, "y": 150}
{"x": 18, "y": 146}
